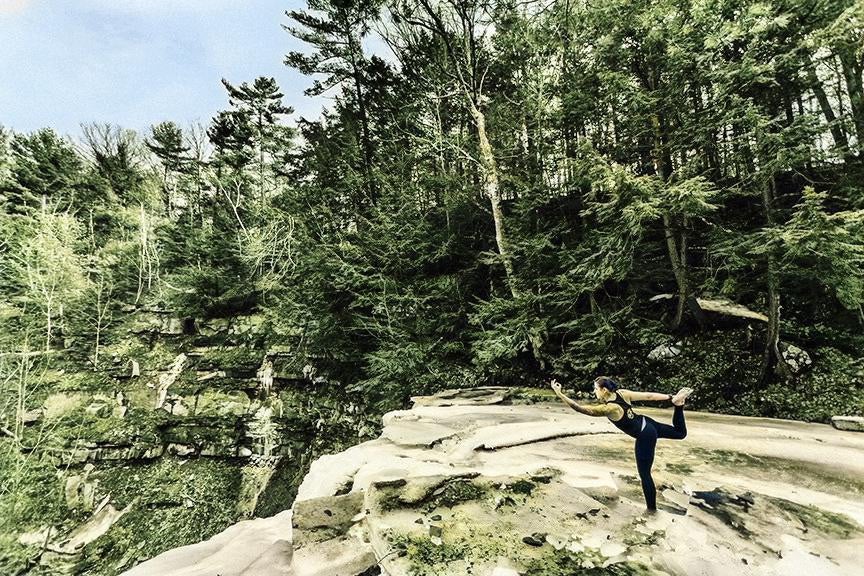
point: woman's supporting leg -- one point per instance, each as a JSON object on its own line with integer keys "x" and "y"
{"x": 645, "y": 444}
{"x": 678, "y": 430}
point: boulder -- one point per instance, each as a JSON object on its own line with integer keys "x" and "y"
{"x": 38, "y": 537}
{"x": 212, "y": 402}
{"x": 665, "y": 351}
{"x": 59, "y": 404}
{"x": 481, "y": 396}
{"x": 329, "y": 512}
{"x": 80, "y": 493}
{"x": 853, "y": 423}
{"x": 796, "y": 358}
{"x": 181, "y": 450}
{"x": 98, "y": 524}
{"x": 168, "y": 378}
{"x": 171, "y": 326}
{"x": 259, "y": 547}
{"x": 31, "y": 416}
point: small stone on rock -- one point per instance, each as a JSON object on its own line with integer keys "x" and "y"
{"x": 535, "y": 539}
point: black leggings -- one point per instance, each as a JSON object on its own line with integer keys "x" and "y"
{"x": 645, "y": 444}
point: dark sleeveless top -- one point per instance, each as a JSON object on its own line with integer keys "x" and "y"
{"x": 630, "y": 423}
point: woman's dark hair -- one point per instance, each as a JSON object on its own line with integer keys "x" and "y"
{"x": 607, "y": 383}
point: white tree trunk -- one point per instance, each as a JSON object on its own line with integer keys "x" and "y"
{"x": 492, "y": 191}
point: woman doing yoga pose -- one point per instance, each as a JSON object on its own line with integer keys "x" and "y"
{"x": 616, "y": 406}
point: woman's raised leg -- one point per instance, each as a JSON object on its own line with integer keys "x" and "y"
{"x": 678, "y": 430}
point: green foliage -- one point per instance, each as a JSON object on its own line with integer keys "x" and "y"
{"x": 810, "y": 398}
{"x": 825, "y": 248}
{"x": 167, "y": 144}
{"x": 182, "y": 504}
{"x": 31, "y": 497}
{"x": 634, "y": 149}
{"x": 44, "y": 165}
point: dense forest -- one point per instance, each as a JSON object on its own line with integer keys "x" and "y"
{"x": 669, "y": 192}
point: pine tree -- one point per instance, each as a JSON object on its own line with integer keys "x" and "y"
{"x": 44, "y": 165}
{"x": 258, "y": 108}
{"x": 166, "y": 142}
{"x": 336, "y": 29}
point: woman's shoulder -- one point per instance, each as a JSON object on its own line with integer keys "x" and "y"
{"x": 624, "y": 394}
{"x": 616, "y": 411}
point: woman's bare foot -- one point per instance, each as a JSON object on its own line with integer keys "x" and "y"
{"x": 681, "y": 396}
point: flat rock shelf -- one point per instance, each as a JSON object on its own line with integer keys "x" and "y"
{"x": 477, "y": 483}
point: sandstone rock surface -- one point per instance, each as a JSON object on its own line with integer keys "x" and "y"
{"x": 488, "y": 488}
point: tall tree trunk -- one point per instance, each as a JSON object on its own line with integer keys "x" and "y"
{"x": 677, "y": 257}
{"x": 709, "y": 145}
{"x": 166, "y": 191}
{"x": 675, "y": 244}
{"x": 772, "y": 358}
{"x": 261, "y": 162}
{"x": 837, "y": 133}
{"x": 852, "y": 72}
{"x": 493, "y": 192}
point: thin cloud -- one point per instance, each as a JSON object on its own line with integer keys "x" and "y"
{"x": 64, "y": 63}
{"x": 159, "y": 7}
{"x": 13, "y": 6}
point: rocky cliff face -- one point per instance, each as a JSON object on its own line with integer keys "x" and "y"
{"x": 185, "y": 428}
{"x": 466, "y": 484}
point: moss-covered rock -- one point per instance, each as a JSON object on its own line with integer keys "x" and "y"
{"x": 178, "y": 502}
{"x": 583, "y": 563}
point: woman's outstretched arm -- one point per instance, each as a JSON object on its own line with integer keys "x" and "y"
{"x": 587, "y": 409}
{"x": 630, "y": 396}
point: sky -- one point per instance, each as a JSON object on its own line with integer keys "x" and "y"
{"x": 136, "y": 63}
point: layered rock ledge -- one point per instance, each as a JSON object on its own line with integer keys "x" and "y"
{"x": 465, "y": 483}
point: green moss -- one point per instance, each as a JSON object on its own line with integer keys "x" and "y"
{"x": 781, "y": 469}
{"x": 173, "y": 504}
{"x": 587, "y": 563}
{"x": 545, "y": 475}
{"x": 822, "y": 521}
{"x": 729, "y": 458}
{"x": 85, "y": 381}
{"x": 390, "y": 500}
{"x": 524, "y": 395}
{"x": 33, "y": 496}
{"x": 679, "y": 468}
{"x": 15, "y": 558}
{"x": 235, "y": 359}
{"x": 457, "y": 491}
{"x": 521, "y": 487}
{"x": 158, "y": 357}
{"x": 127, "y": 349}
{"x": 140, "y": 426}
{"x": 607, "y": 454}
{"x": 203, "y": 431}
{"x": 450, "y": 493}
{"x": 425, "y": 556}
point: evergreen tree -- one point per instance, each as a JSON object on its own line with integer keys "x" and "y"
{"x": 44, "y": 165}
{"x": 166, "y": 142}
{"x": 258, "y": 109}
{"x": 336, "y": 30}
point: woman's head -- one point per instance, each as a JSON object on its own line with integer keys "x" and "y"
{"x": 604, "y": 387}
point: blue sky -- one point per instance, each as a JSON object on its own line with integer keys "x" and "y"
{"x": 138, "y": 62}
